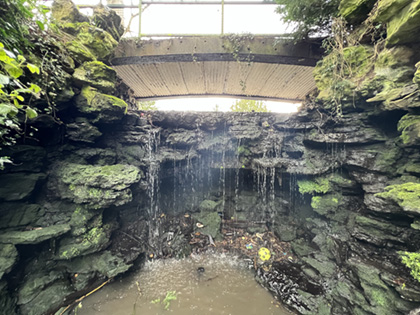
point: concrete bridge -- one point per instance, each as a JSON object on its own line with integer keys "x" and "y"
{"x": 258, "y": 67}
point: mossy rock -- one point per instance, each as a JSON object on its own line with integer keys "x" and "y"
{"x": 79, "y": 52}
{"x": 96, "y": 41}
{"x": 92, "y": 241}
{"x": 356, "y": 63}
{"x": 211, "y": 222}
{"x": 34, "y": 236}
{"x": 355, "y": 11}
{"x": 101, "y": 108}
{"x": 387, "y": 9}
{"x": 95, "y": 186}
{"x": 64, "y": 11}
{"x": 327, "y": 204}
{"x": 406, "y": 195}
{"x": 48, "y": 299}
{"x": 108, "y": 20}
{"x": 409, "y": 126}
{"x": 8, "y": 257}
{"x": 403, "y": 27}
{"x": 96, "y": 74}
{"x": 104, "y": 263}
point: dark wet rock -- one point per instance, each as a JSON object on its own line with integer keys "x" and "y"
{"x": 8, "y": 304}
{"x": 19, "y": 186}
{"x": 8, "y": 257}
{"x": 182, "y": 137}
{"x": 48, "y": 298}
{"x": 19, "y": 214}
{"x": 82, "y": 131}
{"x": 26, "y": 158}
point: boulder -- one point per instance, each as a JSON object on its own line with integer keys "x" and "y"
{"x": 64, "y": 11}
{"x": 100, "y": 108}
{"x": 108, "y": 20}
{"x": 94, "y": 186}
{"x": 96, "y": 74}
{"x": 89, "y": 43}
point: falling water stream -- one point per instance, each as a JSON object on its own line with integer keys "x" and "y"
{"x": 225, "y": 287}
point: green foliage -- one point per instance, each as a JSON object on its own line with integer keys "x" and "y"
{"x": 412, "y": 261}
{"x": 308, "y": 16}
{"x": 147, "y": 105}
{"x": 249, "y": 106}
{"x": 17, "y": 19}
{"x": 320, "y": 186}
{"x": 12, "y": 96}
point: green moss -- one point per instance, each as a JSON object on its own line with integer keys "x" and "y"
{"x": 96, "y": 74}
{"x": 79, "y": 51}
{"x": 355, "y": 10}
{"x": 412, "y": 261}
{"x": 105, "y": 108}
{"x": 406, "y": 195}
{"x": 319, "y": 202}
{"x": 99, "y": 43}
{"x": 389, "y": 8}
{"x": 243, "y": 150}
{"x": 416, "y": 78}
{"x": 404, "y": 26}
{"x": 409, "y": 126}
{"x": 320, "y": 186}
{"x": 338, "y": 74}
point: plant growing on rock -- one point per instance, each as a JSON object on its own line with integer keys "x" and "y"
{"x": 412, "y": 261}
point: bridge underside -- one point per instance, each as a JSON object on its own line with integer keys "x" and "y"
{"x": 182, "y": 67}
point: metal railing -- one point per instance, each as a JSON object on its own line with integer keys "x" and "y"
{"x": 139, "y": 6}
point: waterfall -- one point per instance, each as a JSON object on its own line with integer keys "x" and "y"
{"x": 153, "y": 186}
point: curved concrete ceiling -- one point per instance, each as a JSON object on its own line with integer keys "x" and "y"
{"x": 264, "y": 67}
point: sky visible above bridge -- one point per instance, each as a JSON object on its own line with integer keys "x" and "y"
{"x": 202, "y": 19}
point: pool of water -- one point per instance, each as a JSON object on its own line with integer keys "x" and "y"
{"x": 225, "y": 287}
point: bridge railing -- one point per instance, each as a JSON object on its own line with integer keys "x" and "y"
{"x": 134, "y": 14}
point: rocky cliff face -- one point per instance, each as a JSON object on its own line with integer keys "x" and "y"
{"x": 340, "y": 183}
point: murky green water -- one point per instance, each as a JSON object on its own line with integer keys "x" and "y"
{"x": 226, "y": 287}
